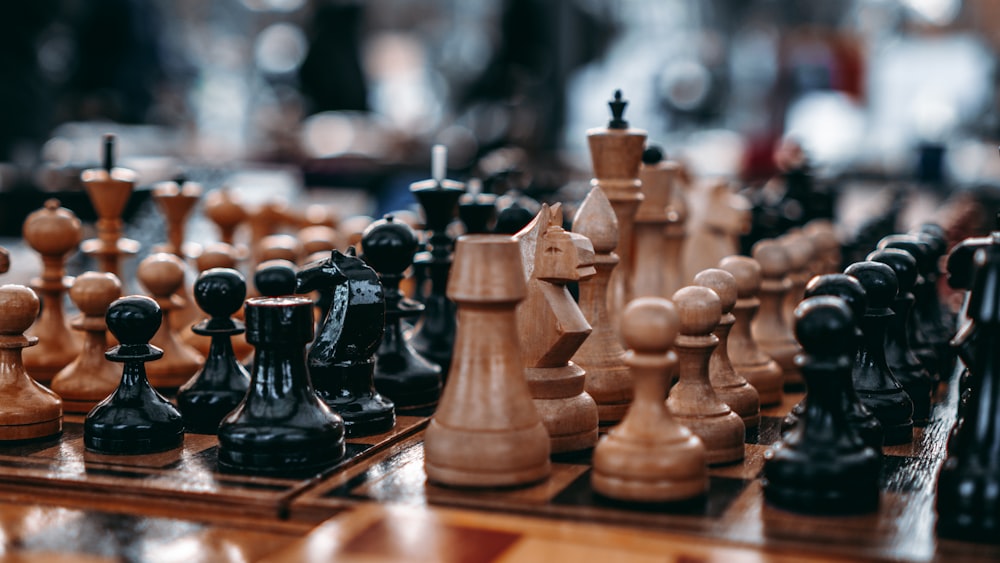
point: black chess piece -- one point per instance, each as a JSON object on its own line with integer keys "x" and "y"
{"x": 911, "y": 374}
{"x": 874, "y": 382}
{"x": 275, "y": 278}
{"x": 341, "y": 359}
{"x": 477, "y": 211}
{"x": 280, "y": 427}
{"x": 434, "y": 336}
{"x": 937, "y": 321}
{"x": 968, "y": 506}
{"x": 401, "y": 374}
{"x": 135, "y": 419}
{"x": 864, "y": 422}
{"x": 823, "y": 465}
{"x": 221, "y": 384}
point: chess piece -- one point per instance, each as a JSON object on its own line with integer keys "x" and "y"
{"x": 514, "y": 212}
{"x": 486, "y": 431}
{"x": 650, "y": 457}
{"x": 823, "y": 466}
{"x": 279, "y": 247}
{"x": 601, "y": 355}
{"x": 476, "y": 210}
{"x": 4, "y": 260}
{"x": 823, "y": 236}
{"x": 936, "y": 322}
{"x": 616, "y": 155}
{"x": 27, "y": 410}
{"x": 161, "y": 275}
{"x": 873, "y": 379}
{"x": 729, "y": 386}
{"x": 109, "y": 189}
{"x": 225, "y": 208}
{"x": 317, "y": 238}
{"x": 849, "y": 290}
{"x": 434, "y": 335}
{"x": 220, "y": 385}
{"x": 401, "y": 374}
{"x": 275, "y": 278}
{"x": 800, "y": 254}
{"x": 341, "y": 360}
{"x": 91, "y": 377}
{"x": 266, "y": 219}
{"x": 747, "y": 359}
{"x": 907, "y": 369}
{"x": 769, "y": 328}
{"x": 692, "y": 400}
{"x": 176, "y": 199}
{"x": 53, "y": 232}
{"x": 675, "y": 232}
{"x": 551, "y": 328}
{"x": 967, "y": 509}
{"x": 135, "y": 419}
{"x": 281, "y": 427}
{"x": 651, "y": 220}
{"x": 216, "y": 255}
{"x": 350, "y": 229}
{"x": 718, "y": 218}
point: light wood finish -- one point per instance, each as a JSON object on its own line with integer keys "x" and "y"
{"x": 161, "y": 274}
{"x": 770, "y": 330}
{"x": 729, "y": 386}
{"x": 827, "y": 258}
{"x": 616, "y": 154}
{"x": 176, "y": 202}
{"x": 800, "y": 254}
{"x": 225, "y": 208}
{"x": 109, "y": 189}
{"x": 551, "y": 328}
{"x": 748, "y": 360}
{"x": 651, "y": 220}
{"x": 350, "y": 230}
{"x": 692, "y": 400}
{"x": 486, "y": 431}
{"x": 718, "y": 218}
{"x": 53, "y": 232}
{"x": 650, "y": 457}
{"x": 279, "y": 247}
{"x": 601, "y": 355}
{"x": 675, "y": 232}
{"x": 317, "y": 238}
{"x": 27, "y": 409}
{"x": 91, "y": 377}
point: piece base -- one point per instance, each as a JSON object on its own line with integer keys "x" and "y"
{"x": 307, "y": 461}
{"x": 33, "y": 431}
{"x": 647, "y": 491}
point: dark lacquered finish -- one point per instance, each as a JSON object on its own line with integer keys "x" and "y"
{"x": 434, "y": 336}
{"x": 281, "y": 427}
{"x": 968, "y": 505}
{"x": 823, "y": 466}
{"x": 908, "y": 370}
{"x": 341, "y": 360}
{"x": 401, "y": 373}
{"x": 478, "y": 213}
{"x": 859, "y": 417}
{"x": 221, "y": 384}
{"x": 936, "y": 321}
{"x": 873, "y": 379}
{"x": 135, "y": 419}
{"x": 275, "y": 278}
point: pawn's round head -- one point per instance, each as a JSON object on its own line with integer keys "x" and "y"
{"x": 746, "y": 272}
{"x": 275, "y": 278}
{"x": 936, "y": 237}
{"x": 800, "y": 250}
{"x": 93, "y": 292}
{"x": 220, "y": 291}
{"x": 216, "y": 255}
{"x": 919, "y": 249}
{"x": 698, "y": 308}
{"x": 903, "y": 265}
{"x": 722, "y": 283}
{"x": 388, "y": 245}
{"x": 161, "y": 274}
{"x": 134, "y": 319}
{"x": 878, "y": 280}
{"x": 772, "y": 257}
{"x": 20, "y": 307}
{"x": 650, "y": 325}
{"x": 825, "y": 326}
{"x": 846, "y": 287}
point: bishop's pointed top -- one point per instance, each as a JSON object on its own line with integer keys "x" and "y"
{"x": 617, "y": 112}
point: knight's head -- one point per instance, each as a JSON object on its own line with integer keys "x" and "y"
{"x": 322, "y": 274}
{"x": 562, "y": 256}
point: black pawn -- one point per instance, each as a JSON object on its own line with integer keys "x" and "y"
{"x": 478, "y": 213}
{"x": 911, "y": 374}
{"x": 275, "y": 278}
{"x": 221, "y": 384}
{"x": 434, "y": 336}
{"x": 280, "y": 427}
{"x": 873, "y": 380}
{"x": 938, "y": 321}
{"x": 864, "y": 422}
{"x": 341, "y": 360}
{"x": 401, "y": 373}
{"x": 968, "y": 506}
{"x": 135, "y": 419}
{"x": 823, "y": 465}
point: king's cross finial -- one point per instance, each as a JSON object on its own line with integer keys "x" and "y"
{"x": 617, "y": 112}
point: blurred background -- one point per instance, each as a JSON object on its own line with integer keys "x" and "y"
{"x": 894, "y": 103}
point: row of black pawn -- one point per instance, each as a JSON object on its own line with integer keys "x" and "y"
{"x": 283, "y": 417}
{"x": 873, "y": 357}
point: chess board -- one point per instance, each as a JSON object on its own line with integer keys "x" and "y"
{"x": 733, "y": 512}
